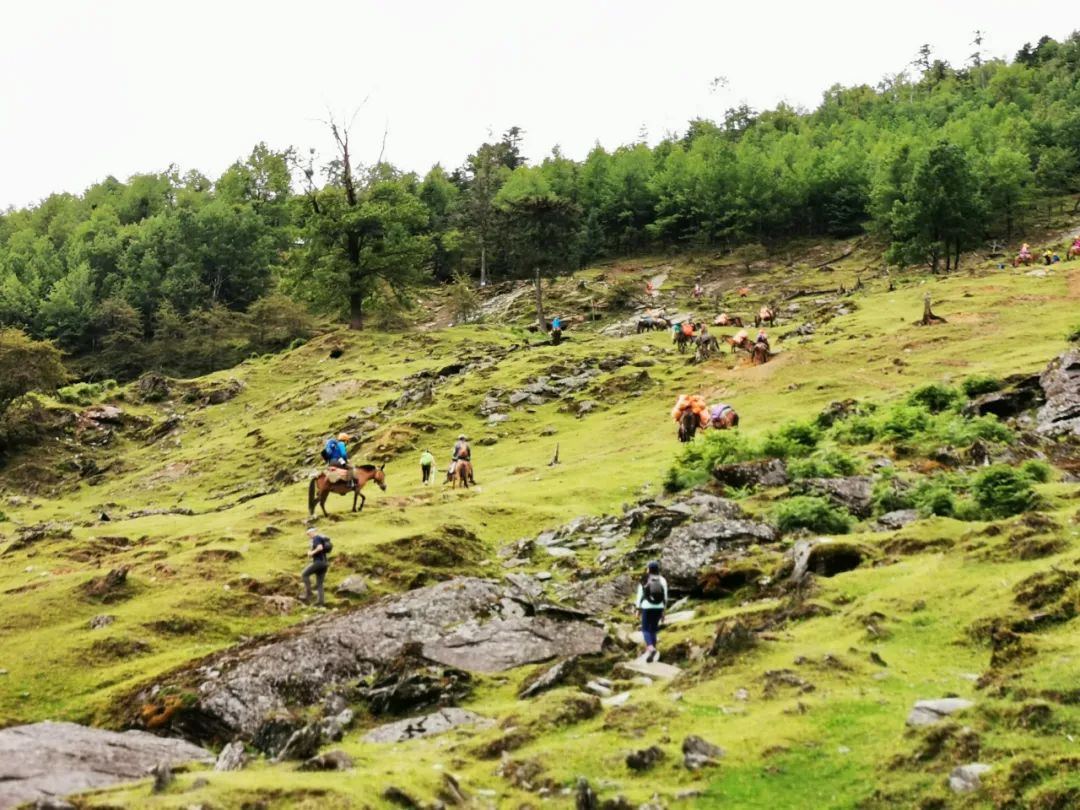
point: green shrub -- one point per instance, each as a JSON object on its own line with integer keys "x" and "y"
{"x": 793, "y": 440}
{"x": 1001, "y": 491}
{"x": 934, "y": 497}
{"x": 935, "y": 398}
{"x": 296, "y": 344}
{"x": 959, "y": 431}
{"x": 84, "y": 393}
{"x": 624, "y": 292}
{"x": 904, "y": 422}
{"x": 1037, "y": 471}
{"x": 889, "y": 495}
{"x": 980, "y": 384}
{"x": 813, "y": 513}
{"x": 823, "y": 464}
{"x": 694, "y": 465}
{"x": 856, "y": 430}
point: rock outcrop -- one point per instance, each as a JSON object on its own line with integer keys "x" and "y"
{"x": 42, "y": 761}
{"x": 467, "y": 623}
{"x": 1061, "y": 384}
{"x": 853, "y": 494}
{"x": 692, "y": 546}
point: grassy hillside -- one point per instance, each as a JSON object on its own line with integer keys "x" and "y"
{"x": 229, "y": 483}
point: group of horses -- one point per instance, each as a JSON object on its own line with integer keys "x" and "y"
{"x": 320, "y": 487}
{"x": 1027, "y": 258}
{"x": 689, "y": 423}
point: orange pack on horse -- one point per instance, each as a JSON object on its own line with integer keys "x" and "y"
{"x": 337, "y": 481}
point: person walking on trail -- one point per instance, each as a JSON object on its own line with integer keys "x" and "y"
{"x": 652, "y": 599}
{"x": 320, "y": 548}
{"x": 426, "y": 462}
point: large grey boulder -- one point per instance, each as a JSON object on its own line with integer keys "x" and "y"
{"x": 769, "y": 472}
{"x": 1061, "y": 384}
{"x": 692, "y": 546}
{"x": 468, "y": 623}
{"x": 46, "y": 760}
{"x": 853, "y": 494}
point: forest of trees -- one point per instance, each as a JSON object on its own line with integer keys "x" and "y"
{"x": 185, "y": 273}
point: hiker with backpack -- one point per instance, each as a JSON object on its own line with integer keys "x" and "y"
{"x": 652, "y": 598}
{"x": 426, "y": 460}
{"x": 321, "y": 546}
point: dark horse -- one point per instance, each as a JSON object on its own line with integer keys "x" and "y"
{"x": 321, "y": 487}
{"x": 688, "y": 425}
{"x": 760, "y": 354}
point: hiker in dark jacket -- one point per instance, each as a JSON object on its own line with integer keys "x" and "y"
{"x": 652, "y": 599}
{"x": 320, "y": 547}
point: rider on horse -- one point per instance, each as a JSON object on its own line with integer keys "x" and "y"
{"x": 337, "y": 454}
{"x": 462, "y": 452}
{"x": 762, "y": 337}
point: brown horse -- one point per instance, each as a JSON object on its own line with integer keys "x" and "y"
{"x": 760, "y": 354}
{"x": 321, "y": 487}
{"x": 723, "y": 319}
{"x": 688, "y": 425}
{"x": 462, "y": 474}
{"x": 1025, "y": 259}
{"x": 739, "y": 345}
{"x": 1074, "y": 251}
{"x": 765, "y": 316}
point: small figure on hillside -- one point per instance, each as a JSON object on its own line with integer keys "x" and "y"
{"x": 556, "y": 331}
{"x": 649, "y": 289}
{"x": 336, "y": 454}
{"x": 698, "y": 291}
{"x": 426, "y": 462}
{"x": 762, "y": 337}
{"x": 1074, "y": 250}
{"x": 320, "y": 548}
{"x": 1048, "y": 256}
{"x": 462, "y": 452}
{"x": 651, "y": 602}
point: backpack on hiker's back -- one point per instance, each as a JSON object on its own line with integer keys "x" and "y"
{"x": 654, "y": 589}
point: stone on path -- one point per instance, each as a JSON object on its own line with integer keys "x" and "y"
{"x": 929, "y": 712}
{"x": 434, "y": 723}
{"x": 965, "y": 778}
{"x": 656, "y": 670}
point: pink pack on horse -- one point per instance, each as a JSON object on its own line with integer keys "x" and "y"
{"x": 722, "y": 417}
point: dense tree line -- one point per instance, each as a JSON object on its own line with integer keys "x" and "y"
{"x": 163, "y": 269}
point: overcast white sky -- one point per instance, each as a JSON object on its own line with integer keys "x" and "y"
{"x": 90, "y": 88}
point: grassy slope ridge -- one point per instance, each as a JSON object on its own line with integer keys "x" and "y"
{"x": 837, "y": 746}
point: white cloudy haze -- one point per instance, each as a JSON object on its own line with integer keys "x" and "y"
{"x": 90, "y": 88}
